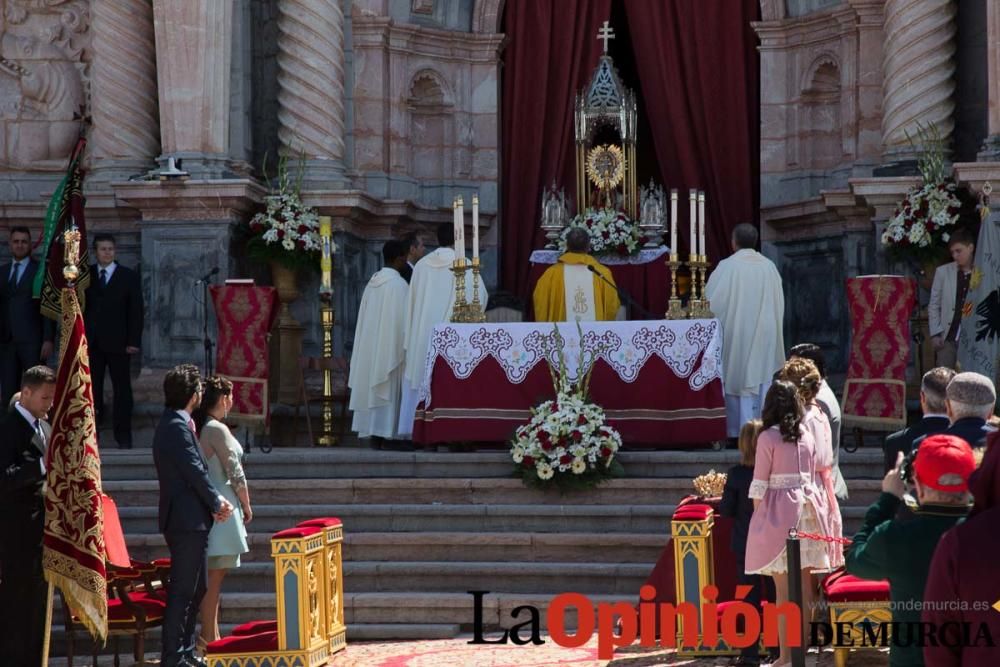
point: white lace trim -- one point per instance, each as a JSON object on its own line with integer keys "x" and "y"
{"x": 758, "y": 488}
{"x": 789, "y": 481}
{"x": 692, "y": 349}
{"x": 644, "y": 256}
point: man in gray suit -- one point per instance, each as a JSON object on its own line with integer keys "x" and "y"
{"x": 948, "y": 293}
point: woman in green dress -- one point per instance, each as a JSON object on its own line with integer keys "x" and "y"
{"x": 227, "y": 540}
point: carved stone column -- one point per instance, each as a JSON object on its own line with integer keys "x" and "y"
{"x": 311, "y": 88}
{"x": 126, "y": 134}
{"x": 193, "y": 56}
{"x": 918, "y": 71}
{"x": 991, "y": 147}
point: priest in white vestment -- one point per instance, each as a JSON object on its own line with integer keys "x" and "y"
{"x": 745, "y": 294}
{"x": 432, "y": 296}
{"x": 376, "y": 377}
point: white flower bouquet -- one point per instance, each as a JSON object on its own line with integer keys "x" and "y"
{"x": 287, "y": 231}
{"x": 567, "y": 443}
{"x": 920, "y": 226}
{"x": 611, "y": 232}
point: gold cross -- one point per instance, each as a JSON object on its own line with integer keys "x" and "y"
{"x": 605, "y": 33}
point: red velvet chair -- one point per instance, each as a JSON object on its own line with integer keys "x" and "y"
{"x": 857, "y": 601}
{"x": 136, "y": 600}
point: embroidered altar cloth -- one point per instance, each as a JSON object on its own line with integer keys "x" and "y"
{"x": 659, "y": 381}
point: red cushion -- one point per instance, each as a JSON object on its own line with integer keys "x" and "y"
{"x": 291, "y": 533}
{"x": 842, "y": 587}
{"x": 115, "y": 549}
{"x": 255, "y": 628}
{"x": 162, "y": 563}
{"x": 324, "y": 522}
{"x": 693, "y": 512}
{"x": 264, "y": 642}
{"x": 120, "y": 615}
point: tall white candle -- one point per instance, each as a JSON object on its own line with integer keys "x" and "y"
{"x": 693, "y": 195}
{"x": 475, "y": 226}
{"x": 673, "y": 222}
{"x": 460, "y": 237}
{"x": 701, "y": 223}
{"x": 456, "y": 224}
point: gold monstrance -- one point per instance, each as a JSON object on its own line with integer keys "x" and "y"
{"x": 605, "y": 172}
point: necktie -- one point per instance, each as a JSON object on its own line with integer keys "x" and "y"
{"x": 104, "y": 277}
{"x": 40, "y": 432}
{"x": 15, "y": 273}
{"x": 194, "y": 431}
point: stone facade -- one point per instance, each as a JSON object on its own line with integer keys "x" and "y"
{"x": 393, "y": 106}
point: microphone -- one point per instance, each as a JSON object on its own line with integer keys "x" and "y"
{"x": 623, "y": 295}
{"x": 208, "y": 276}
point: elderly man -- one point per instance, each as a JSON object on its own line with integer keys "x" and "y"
{"x": 900, "y": 550}
{"x": 933, "y": 388}
{"x": 745, "y": 294}
{"x": 969, "y": 401}
{"x": 577, "y": 286}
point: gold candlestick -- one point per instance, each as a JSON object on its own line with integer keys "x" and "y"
{"x": 476, "y": 312}
{"x": 460, "y": 311}
{"x": 700, "y": 308}
{"x": 326, "y": 438}
{"x": 694, "y": 303}
{"x": 675, "y": 311}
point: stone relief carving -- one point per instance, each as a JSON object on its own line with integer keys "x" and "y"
{"x": 44, "y": 58}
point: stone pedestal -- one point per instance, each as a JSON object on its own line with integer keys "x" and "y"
{"x": 185, "y": 232}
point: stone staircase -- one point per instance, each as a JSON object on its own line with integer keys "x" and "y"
{"x": 422, "y": 529}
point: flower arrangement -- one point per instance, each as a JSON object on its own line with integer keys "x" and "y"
{"x": 287, "y": 231}
{"x": 566, "y": 443}
{"x": 922, "y": 223}
{"x": 611, "y": 232}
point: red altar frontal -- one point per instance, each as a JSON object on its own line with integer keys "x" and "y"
{"x": 644, "y": 276}
{"x": 659, "y": 382}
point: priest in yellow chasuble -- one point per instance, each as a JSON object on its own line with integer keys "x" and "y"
{"x": 573, "y": 288}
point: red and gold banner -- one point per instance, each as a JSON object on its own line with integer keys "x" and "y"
{"x": 74, "y": 553}
{"x": 245, "y": 314}
{"x": 875, "y": 391}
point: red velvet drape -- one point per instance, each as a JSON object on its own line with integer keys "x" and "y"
{"x": 550, "y": 54}
{"x": 699, "y": 69}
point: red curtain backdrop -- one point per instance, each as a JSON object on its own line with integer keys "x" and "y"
{"x": 699, "y": 69}
{"x": 551, "y": 53}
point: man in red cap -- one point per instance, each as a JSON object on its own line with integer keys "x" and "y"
{"x": 964, "y": 570}
{"x": 901, "y": 550}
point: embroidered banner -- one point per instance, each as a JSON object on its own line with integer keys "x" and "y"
{"x": 73, "y": 545}
{"x": 875, "y": 391}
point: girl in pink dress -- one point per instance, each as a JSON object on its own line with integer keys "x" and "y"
{"x": 786, "y": 496}
{"x": 806, "y": 378}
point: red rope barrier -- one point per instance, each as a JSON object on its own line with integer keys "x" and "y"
{"x": 819, "y": 538}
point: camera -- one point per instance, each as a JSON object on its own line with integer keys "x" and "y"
{"x": 906, "y": 470}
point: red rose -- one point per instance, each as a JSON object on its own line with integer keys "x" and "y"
{"x": 606, "y": 234}
{"x": 565, "y": 459}
{"x": 581, "y": 420}
{"x": 577, "y": 436}
{"x": 303, "y": 229}
{"x": 528, "y": 462}
{"x": 605, "y": 452}
{"x": 281, "y": 234}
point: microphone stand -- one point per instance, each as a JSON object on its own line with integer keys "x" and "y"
{"x": 206, "y": 339}
{"x": 623, "y": 295}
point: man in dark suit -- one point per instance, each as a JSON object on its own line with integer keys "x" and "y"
{"x": 933, "y": 392}
{"x": 23, "y": 592}
{"x": 25, "y": 336}
{"x": 114, "y": 332}
{"x": 188, "y": 505}
{"x": 969, "y": 400}
{"x": 416, "y": 251}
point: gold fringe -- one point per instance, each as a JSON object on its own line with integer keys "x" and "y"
{"x": 90, "y": 608}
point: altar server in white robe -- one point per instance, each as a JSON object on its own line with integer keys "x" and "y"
{"x": 432, "y": 296}
{"x": 377, "y": 361}
{"x": 745, "y": 294}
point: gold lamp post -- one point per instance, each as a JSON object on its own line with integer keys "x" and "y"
{"x": 326, "y": 438}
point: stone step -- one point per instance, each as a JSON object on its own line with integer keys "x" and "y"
{"x": 452, "y": 546}
{"x": 357, "y": 463}
{"x": 451, "y": 491}
{"x": 453, "y": 518}
{"x": 459, "y": 577}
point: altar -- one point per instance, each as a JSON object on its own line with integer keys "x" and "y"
{"x": 659, "y": 382}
